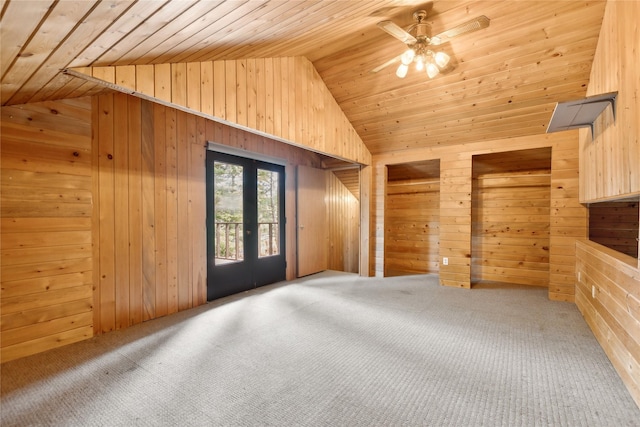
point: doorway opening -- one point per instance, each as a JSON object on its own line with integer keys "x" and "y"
{"x": 328, "y": 218}
{"x": 412, "y": 218}
{"x": 511, "y": 218}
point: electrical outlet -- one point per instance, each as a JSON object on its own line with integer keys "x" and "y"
{"x": 593, "y": 291}
{"x": 445, "y": 261}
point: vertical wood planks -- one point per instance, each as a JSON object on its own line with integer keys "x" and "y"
{"x": 206, "y": 88}
{"x": 150, "y": 198}
{"x": 343, "y": 210}
{"x": 148, "y": 212}
{"x": 145, "y": 79}
{"x": 193, "y": 87}
{"x": 160, "y": 208}
{"x": 121, "y": 210}
{"x": 365, "y": 220}
{"x": 283, "y": 97}
{"x": 172, "y": 210}
{"x": 231, "y": 92}
{"x": 106, "y": 182}
{"x": 95, "y": 215}
{"x": 261, "y": 95}
{"x": 162, "y": 82}
{"x": 197, "y": 205}
{"x": 269, "y": 98}
{"x": 178, "y": 84}
{"x": 277, "y": 96}
{"x": 609, "y": 162}
{"x": 241, "y": 93}
{"x": 378, "y": 178}
{"x": 219, "y": 90}
{"x": 182, "y": 205}
{"x": 251, "y": 93}
{"x": 136, "y": 277}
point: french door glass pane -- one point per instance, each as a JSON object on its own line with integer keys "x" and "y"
{"x": 228, "y": 210}
{"x": 268, "y": 214}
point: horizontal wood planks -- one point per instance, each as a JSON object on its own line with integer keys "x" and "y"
{"x": 511, "y": 221}
{"x": 280, "y": 97}
{"x": 615, "y": 225}
{"x": 565, "y": 220}
{"x": 412, "y": 227}
{"x": 569, "y": 218}
{"x": 455, "y": 220}
{"x": 46, "y": 204}
{"x": 609, "y": 162}
{"x": 608, "y": 296}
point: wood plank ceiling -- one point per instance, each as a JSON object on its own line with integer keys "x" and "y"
{"x": 505, "y": 82}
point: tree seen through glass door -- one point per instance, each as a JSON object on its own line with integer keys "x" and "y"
{"x": 229, "y": 221}
{"x": 228, "y": 208}
{"x": 268, "y": 214}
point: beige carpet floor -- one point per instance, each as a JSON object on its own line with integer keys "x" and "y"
{"x": 333, "y": 349}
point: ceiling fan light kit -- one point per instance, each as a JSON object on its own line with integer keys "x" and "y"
{"x": 418, "y": 39}
{"x": 433, "y": 63}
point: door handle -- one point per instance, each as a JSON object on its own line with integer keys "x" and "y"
{"x": 248, "y": 232}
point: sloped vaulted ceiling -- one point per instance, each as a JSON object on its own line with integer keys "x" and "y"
{"x": 505, "y": 83}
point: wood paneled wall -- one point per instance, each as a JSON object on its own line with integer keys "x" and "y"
{"x": 568, "y": 218}
{"x": 46, "y": 205}
{"x": 615, "y": 225}
{"x": 412, "y": 226}
{"x": 609, "y": 170}
{"x": 101, "y": 233}
{"x": 280, "y": 97}
{"x": 608, "y": 296}
{"x": 455, "y": 219}
{"x": 343, "y": 217}
{"x": 149, "y": 220}
{"x": 510, "y": 226}
{"x": 609, "y": 163}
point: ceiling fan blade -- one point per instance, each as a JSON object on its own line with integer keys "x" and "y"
{"x": 467, "y": 27}
{"x": 396, "y": 31}
{"x": 386, "y": 64}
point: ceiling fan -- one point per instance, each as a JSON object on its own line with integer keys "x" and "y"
{"x": 419, "y": 41}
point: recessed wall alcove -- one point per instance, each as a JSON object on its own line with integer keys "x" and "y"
{"x": 614, "y": 224}
{"x": 510, "y": 218}
{"x": 412, "y": 218}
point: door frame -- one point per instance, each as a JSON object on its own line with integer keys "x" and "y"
{"x": 253, "y": 270}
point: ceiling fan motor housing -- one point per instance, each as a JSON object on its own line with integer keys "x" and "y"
{"x": 422, "y": 29}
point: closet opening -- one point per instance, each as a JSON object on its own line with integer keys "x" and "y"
{"x": 412, "y": 218}
{"x": 511, "y": 217}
